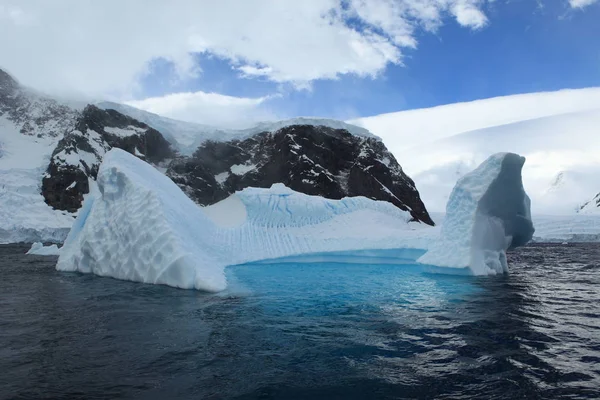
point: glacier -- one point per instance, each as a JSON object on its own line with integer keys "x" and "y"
{"x": 139, "y": 226}
{"x": 24, "y": 215}
{"x": 488, "y": 212}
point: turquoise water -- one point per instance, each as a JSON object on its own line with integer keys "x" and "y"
{"x": 339, "y": 284}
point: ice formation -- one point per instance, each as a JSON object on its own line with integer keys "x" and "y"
{"x": 39, "y": 249}
{"x": 140, "y": 226}
{"x": 488, "y": 212}
{"x": 24, "y": 216}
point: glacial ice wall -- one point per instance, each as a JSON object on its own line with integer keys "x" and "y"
{"x": 140, "y": 226}
{"x": 487, "y": 213}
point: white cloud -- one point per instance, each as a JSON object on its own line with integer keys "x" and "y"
{"x": 103, "y": 47}
{"x": 208, "y": 108}
{"x": 468, "y": 13}
{"x": 581, "y": 3}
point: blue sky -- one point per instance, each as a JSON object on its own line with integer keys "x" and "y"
{"x": 527, "y": 46}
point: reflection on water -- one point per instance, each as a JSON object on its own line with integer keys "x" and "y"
{"x": 319, "y": 330}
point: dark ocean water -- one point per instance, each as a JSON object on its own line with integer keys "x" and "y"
{"x": 306, "y": 331}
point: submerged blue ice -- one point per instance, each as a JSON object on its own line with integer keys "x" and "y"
{"x": 337, "y": 282}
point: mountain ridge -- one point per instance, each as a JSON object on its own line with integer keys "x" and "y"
{"x": 69, "y": 144}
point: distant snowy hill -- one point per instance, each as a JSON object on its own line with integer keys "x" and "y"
{"x": 591, "y": 207}
{"x": 557, "y": 133}
{"x": 50, "y": 152}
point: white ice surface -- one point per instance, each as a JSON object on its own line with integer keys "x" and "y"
{"x": 24, "y": 216}
{"x": 39, "y": 249}
{"x": 140, "y": 226}
{"x": 487, "y": 213}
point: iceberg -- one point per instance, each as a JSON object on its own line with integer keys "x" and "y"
{"x": 38, "y": 249}
{"x": 487, "y": 213}
{"x": 139, "y": 226}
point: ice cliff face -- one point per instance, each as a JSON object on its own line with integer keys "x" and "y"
{"x": 488, "y": 212}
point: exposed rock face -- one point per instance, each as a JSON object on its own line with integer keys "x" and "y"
{"x": 310, "y": 159}
{"x": 79, "y": 154}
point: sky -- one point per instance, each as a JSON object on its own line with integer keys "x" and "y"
{"x": 235, "y": 62}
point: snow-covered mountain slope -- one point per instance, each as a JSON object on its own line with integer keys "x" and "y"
{"x": 556, "y": 131}
{"x": 29, "y": 131}
{"x": 562, "y": 167}
{"x": 187, "y": 136}
{"x": 140, "y": 226}
{"x": 406, "y": 129}
{"x": 591, "y": 206}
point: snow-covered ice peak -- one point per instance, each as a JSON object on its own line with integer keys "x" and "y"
{"x": 591, "y": 207}
{"x": 487, "y": 213}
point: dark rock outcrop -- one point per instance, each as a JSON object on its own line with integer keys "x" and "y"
{"x": 315, "y": 160}
{"x": 79, "y": 153}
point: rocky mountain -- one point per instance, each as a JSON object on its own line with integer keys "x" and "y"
{"x": 79, "y": 153}
{"x": 33, "y": 114}
{"x": 52, "y": 150}
{"x": 316, "y": 160}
